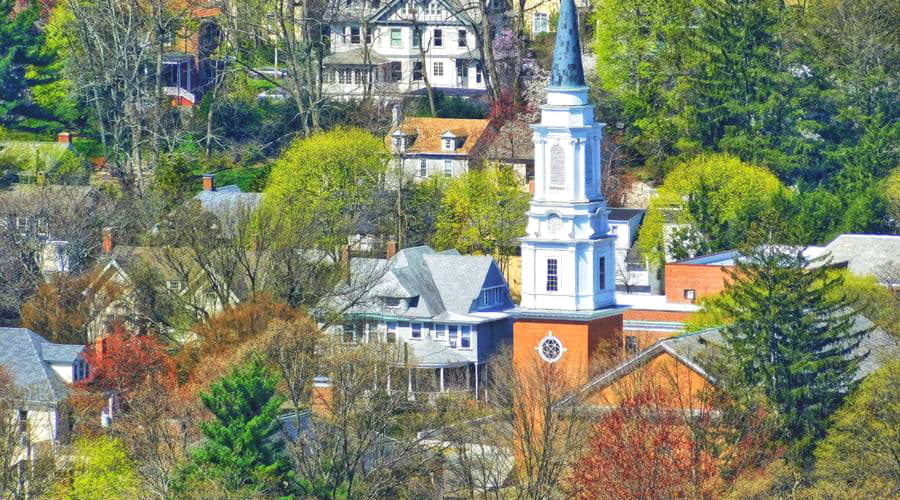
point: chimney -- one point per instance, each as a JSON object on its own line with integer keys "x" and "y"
{"x": 209, "y": 182}
{"x": 64, "y": 138}
{"x": 531, "y": 186}
{"x": 396, "y": 115}
{"x": 107, "y": 245}
{"x": 391, "y": 249}
{"x": 322, "y": 397}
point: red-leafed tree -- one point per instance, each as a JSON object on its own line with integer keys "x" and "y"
{"x": 122, "y": 362}
{"x": 643, "y": 449}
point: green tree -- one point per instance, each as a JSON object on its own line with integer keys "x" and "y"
{"x": 863, "y": 443}
{"x": 20, "y": 42}
{"x": 483, "y": 211}
{"x": 793, "y": 334}
{"x": 322, "y": 184}
{"x": 239, "y": 450}
{"x": 102, "y": 469}
{"x": 173, "y": 180}
{"x": 421, "y": 206}
{"x": 713, "y": 199}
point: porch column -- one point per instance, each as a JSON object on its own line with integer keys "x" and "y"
{"x": 189, "y": 87}
{"x": 441, "y": 369}
{"x": 389, "y": 380}
{"x": 477, "y": 396}
{"x": 409, "y": 380}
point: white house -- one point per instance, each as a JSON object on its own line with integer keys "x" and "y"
{"x": 391, "y": 47}
{"x": 41, "y": 371}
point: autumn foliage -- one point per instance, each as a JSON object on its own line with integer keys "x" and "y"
{"x": 61, "y": 310}
{"x": 644, "y": 449}
{"x": 122, "y": 362}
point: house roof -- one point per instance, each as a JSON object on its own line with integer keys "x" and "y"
{"x": 227, "y": 201}
{"x": 865, "y": 254}
{"x": 26, "y": 356}
{"x": 428, "y": 132}
{"x": 354, "y": 57}
{"x": 624, "y": 214}
{"x": 441, "y": 286}
{"x": 687, "y": 349}
{"x": 514, "y": 141}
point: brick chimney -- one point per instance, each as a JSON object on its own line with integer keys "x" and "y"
{"x": 322, "y": 397}
{"x": 391, "y": 249}
{"x": 64, "y": 138}
{"x": 107, "y": 244}
{"x": 209, "y": 182}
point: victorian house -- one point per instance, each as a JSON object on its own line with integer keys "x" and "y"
{"x": 391, "y": 48}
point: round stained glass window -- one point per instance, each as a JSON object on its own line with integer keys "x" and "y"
{"x": 550, "y": 349}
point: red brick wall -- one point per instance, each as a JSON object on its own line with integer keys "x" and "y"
{"x": 648, "y": 315}
{"x": 704, "y": 280}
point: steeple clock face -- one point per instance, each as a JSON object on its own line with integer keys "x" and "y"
{"x": 550, "y": 348}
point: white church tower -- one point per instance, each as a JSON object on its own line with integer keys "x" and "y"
{"x": 568, "y": 255}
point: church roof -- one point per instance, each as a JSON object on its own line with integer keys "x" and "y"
{"x": 567, "y": 71}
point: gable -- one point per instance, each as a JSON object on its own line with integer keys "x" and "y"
{"x": 396, "y": 13}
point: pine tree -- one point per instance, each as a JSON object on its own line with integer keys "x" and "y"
{"x": 793, "y": 335}
{"x": 239, "y": 450}
{"x": 20, "y": 43}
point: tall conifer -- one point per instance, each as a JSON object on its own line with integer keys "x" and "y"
{"x": 793, "y": 335}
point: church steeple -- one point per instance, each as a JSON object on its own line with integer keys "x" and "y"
{"x": 567, "y": 72}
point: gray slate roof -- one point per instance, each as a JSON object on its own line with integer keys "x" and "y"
{"x": 441, "y": 286}
{"x": 354, "y": 57}
{"x": 26, "y": 355}
{"x": 227, "y": 200}
{"x": 865, "y": 254}
{"x": 624, "y": 214}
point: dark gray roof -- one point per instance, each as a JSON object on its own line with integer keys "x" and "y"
{"x": 227, "y": 201}
{"x": 427, "y": 352}
{"x": 442, "y": 286}
{"x": 354, "y": 57}
{"x": 624, "y": 214}
{"x": 567, "y": 71}
{"x": 26, "y": 355}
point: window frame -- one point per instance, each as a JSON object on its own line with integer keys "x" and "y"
{"x": 690, "y": 294}
{"x": 423, "y": 168}
{"x": 355, "y": 35}
{"x": 437, "y": 38}
{"x": 413, "y": 328}
{"x": 448, "y": 167}
{"x": 396, "y": 38}
{"x": 462, "y": 38}
{"x": 552, "y": 281}
{"x": 437, "y": 68}
{"x": 465, "y": 337}
{"x": 417, "y": 71}
{"x": 390, "y": 332}
{"x": 453, "y": 335}
{"x": 439, "y": 332}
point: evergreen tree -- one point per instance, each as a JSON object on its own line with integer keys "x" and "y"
{"x": 20, "y": 43}
{"x": 793, "y": 335}
{"x": 239, "y": 450}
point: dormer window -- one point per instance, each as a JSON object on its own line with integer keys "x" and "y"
{"x": 449, "y": 144}
{"x": 491, "y": 296}
{"x": 391, "y": 301}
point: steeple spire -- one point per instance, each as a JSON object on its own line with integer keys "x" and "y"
{"x": 567, "y": 72}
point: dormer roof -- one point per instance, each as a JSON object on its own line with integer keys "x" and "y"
{"x": 26, "y": 357}
{"x": 430, "y": 132}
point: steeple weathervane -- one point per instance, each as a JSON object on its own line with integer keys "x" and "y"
{"x": 567, "y": 72}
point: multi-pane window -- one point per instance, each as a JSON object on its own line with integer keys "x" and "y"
{"x": 552, "y": 275}
{"x": 354, "y": 35}
{"x": 452, "y": 335}
{"x": 478, "y": 73}
{"x": 465, "y": 337}
{"x": 416, "y": 331}
{"x": 440, "y": 332}
{"x": 360, "y": 76}
{"x": 417, "y": 70}
{"x": 540, "y": 23}
{"x": 438, "y": 68}
{"x": 174, "y": 285}
{"x": 391, "y": 334}
{"x": 396, "y": 38}
{"x": 345, "y": 76}
{"x": 438, "y": 38}
{"x": 448, "y": 145}
{"x": 448, "y": 167}
{"x": 461, "y": 38}
{"x": 328, "y": 76}
{"x": 369, "y": 36}
{"x": 491, "y": 296}
{"x": 396, "y": 71}
{"x": 423, "y": 168}
{"x": 416, "y": 37}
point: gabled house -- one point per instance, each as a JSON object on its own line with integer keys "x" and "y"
{"x": 42, "y": 372}
{"x": 379, "y": 46}
{"x": 445, "y": 310}
{"x": 424, "y": 147}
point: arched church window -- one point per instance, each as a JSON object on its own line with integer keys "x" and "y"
{"x": 557, "y": 167}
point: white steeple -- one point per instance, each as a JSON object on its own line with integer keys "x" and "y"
{"x": 568, "y": 257}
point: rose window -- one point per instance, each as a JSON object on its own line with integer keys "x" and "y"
{"x": 550, "y": 349}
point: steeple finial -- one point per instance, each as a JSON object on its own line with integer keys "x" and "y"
{"x": 567, "y": 71}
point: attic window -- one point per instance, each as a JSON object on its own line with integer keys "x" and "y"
{"x": 491, "y": 296}
{"x": 391, "y": 301}
{"x": 449, "y": 144}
